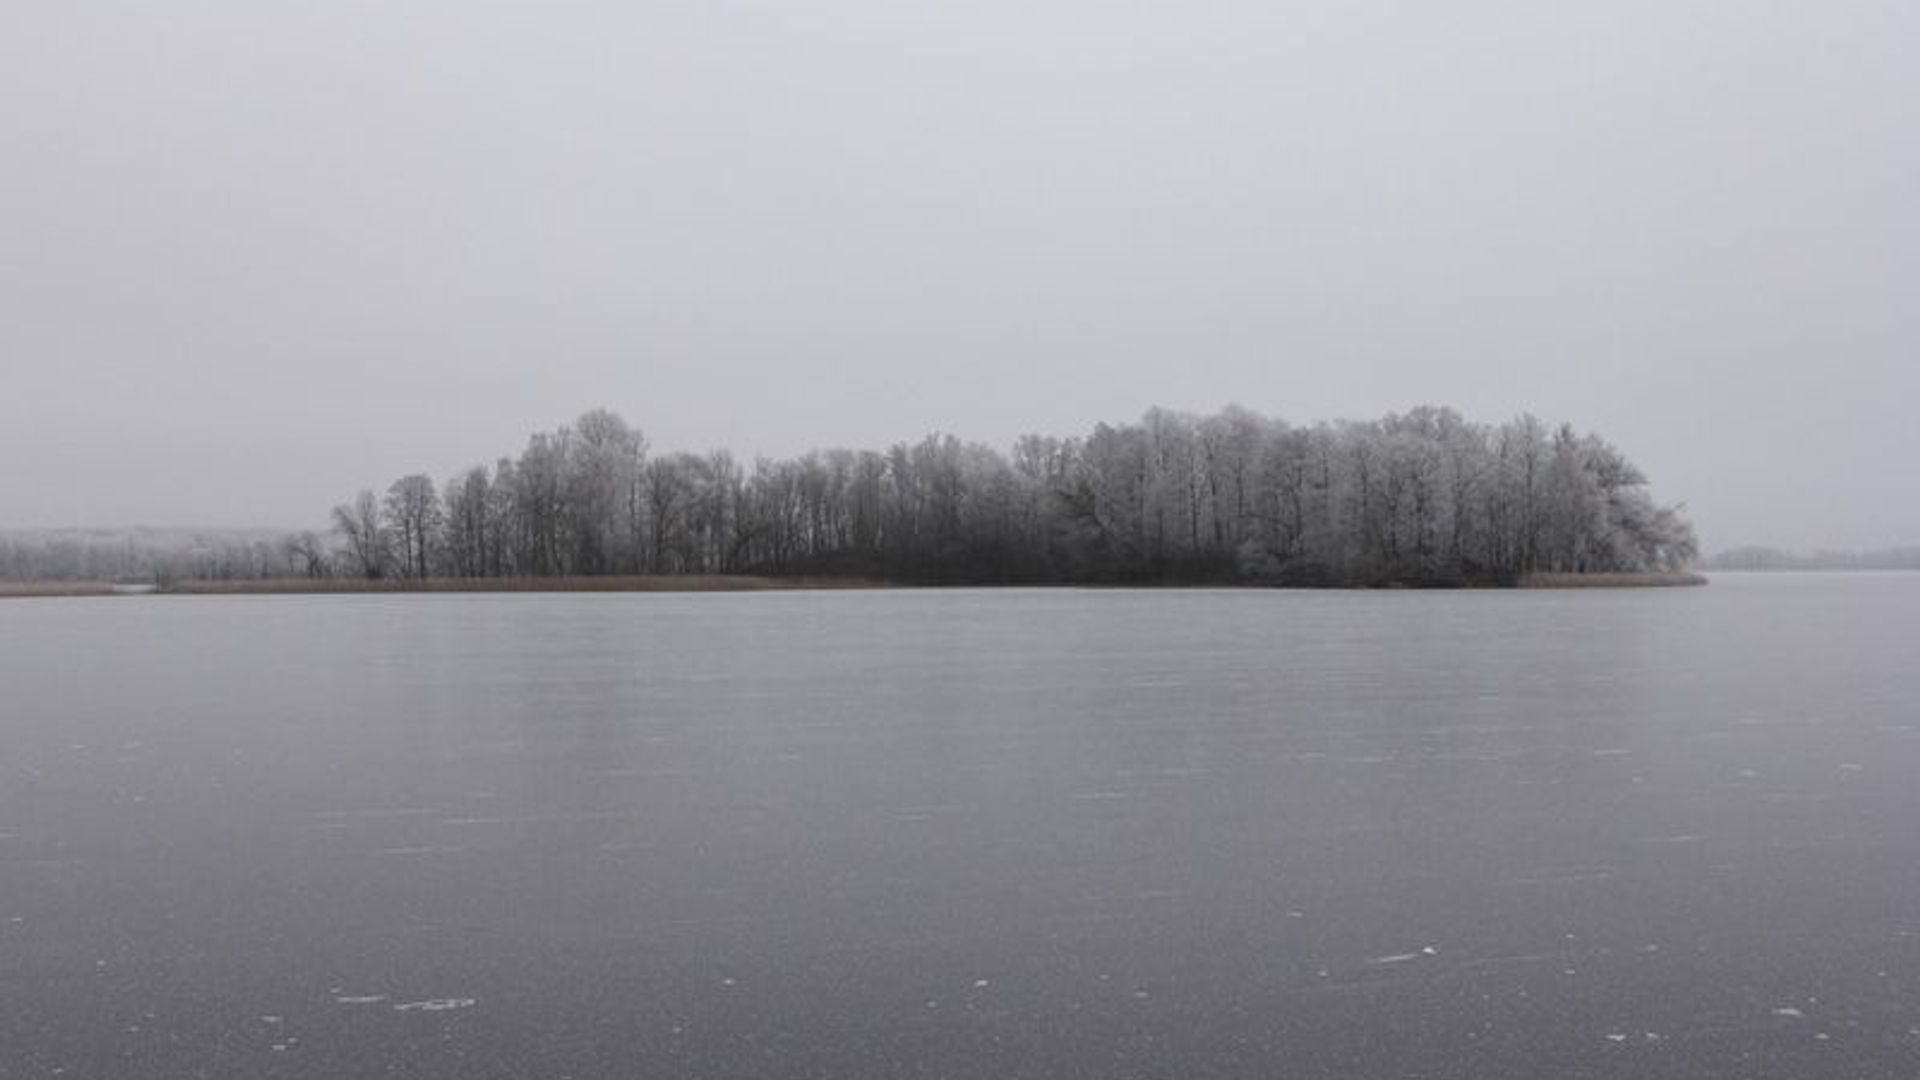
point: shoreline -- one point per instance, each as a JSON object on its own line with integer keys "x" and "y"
{"x": 1639, "y": 579}
{"x": 618, "y": 583}
{"x": 686, "y": 583}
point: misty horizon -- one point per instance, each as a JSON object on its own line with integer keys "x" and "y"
{"x": 319, "y": 522}
{"x": 263, "y": 256}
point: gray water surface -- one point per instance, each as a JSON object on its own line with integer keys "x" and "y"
{"x": 1014, "y": 833}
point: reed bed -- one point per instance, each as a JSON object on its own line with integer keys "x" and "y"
{"x": 1635, "y": 580}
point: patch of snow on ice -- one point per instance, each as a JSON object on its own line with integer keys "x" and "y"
{"x": 1401, "y": 958}
{"x": 436, "y": 1005}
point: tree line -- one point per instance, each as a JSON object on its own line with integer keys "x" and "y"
{"x": 161, "y": 555}
{"x": 1422, "y": 497}
{"x": 1768, "y": 558}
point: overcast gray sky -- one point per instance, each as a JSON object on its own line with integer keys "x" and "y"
{"x": 255, "y": 256}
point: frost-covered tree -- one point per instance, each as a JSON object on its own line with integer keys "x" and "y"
{"x": 413, "y": 519}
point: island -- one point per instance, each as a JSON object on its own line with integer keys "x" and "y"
{"x": 1419, "y": 499}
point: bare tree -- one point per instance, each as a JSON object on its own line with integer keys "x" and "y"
{"x": 358, "y": 523}
{"x": 413, "y": 517}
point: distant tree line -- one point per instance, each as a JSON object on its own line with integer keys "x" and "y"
{"x": 1423, "y": 497}
{"x": 1766, "y": 558}
{"x": 162, "y": 555}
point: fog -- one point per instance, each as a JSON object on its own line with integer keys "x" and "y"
{"x": 256, "y": 257}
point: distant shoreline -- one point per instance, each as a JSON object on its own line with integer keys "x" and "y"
{"x": 684, "y": 583}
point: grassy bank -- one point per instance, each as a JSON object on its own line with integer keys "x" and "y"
{"x": 1645, "y": 579}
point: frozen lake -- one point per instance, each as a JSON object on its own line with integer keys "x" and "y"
{"x": 1018, "y": 833}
